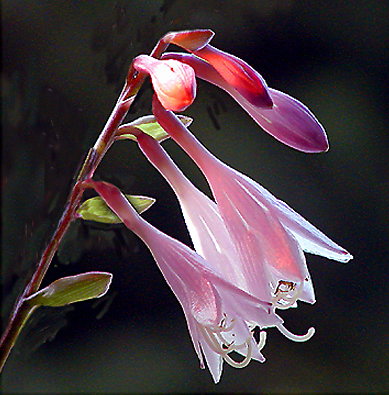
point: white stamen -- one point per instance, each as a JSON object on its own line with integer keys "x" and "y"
{"x": 212, "y": 342}
{"x": 245, "y": 361}
{"x": 262, "y": 340}
{"x": 296, "y": 338}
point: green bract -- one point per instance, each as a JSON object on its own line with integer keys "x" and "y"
{"x": 95, "y": 209}
{"x": 72, "y": 289}
{"x": 148, "y": 125}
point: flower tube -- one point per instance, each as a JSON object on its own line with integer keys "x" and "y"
{"x": 211, "y": 238}
{"x": 217, "y": 312}
{"x": 289, "y": 121}
{"x": 262, "y": 229}
{"x": 207, "y": 230}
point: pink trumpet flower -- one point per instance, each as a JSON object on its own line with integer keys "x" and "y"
{"x": 217, "y": 312}
{"x": 174, "y": 82}
{"x": 211, "y": 238}
{"x": 267, "y": 233}
{"x": 289, "y": 121}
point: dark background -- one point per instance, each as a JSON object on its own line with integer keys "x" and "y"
{"x": 63, "y": 66}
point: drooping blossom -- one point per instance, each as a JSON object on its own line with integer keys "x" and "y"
{"x": 289, "y": 121}
{"x": 212, "y": 240}
{"x": 174, "y": 82}
{"x": 217, "y": 312}
{"x": 266, "y": 232}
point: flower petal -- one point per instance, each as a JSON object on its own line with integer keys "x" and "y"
{"x": 267, "y": 253}
{"x": 289, "y": 121}
{"x": 238, "y": 74}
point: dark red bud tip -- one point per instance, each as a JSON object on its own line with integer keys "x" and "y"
{"x": 239, "y": 75}
{"x": 191, "y": 40}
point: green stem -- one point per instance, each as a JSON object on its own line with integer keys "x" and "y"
{"x": 22, "y": 309}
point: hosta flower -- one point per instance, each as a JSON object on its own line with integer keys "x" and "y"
{"x": 267, "y": 234}
{"x": 217, "y": 312}
{"x": 174, "y": 82}
{"x": 289, "y": 121}
{"x": 212, "y": 240}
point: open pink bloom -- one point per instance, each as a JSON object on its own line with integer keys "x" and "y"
{"x": 174, "y": 82}
{"x": 289, "y": 121}
{"x": 217, "y": 312}
{"x": 267, "y": 234}
{"x": 211, "y": 238}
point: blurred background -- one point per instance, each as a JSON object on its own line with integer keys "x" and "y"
{"x": 64, "y": 63}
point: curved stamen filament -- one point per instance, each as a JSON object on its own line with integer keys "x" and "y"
{"x": 212, "y": 342}
{"x": 262, "y": 340}
{"x": 296, "y": 338}
{"x": 245, "y": 361}
{"x": 231, "y": 345}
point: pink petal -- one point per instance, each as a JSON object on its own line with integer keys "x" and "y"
{"x": 205, "y": 225}
{"x": 260, "y": 239}
{"x": 289, "y": 121}
{"x": 203, "y": 294}
{"x": 238, "y": 75}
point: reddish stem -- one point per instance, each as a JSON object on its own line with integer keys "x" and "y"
{"x": 22, "y": 309}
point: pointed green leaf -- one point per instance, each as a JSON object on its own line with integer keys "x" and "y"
{"x": 72, "y": 289}
{"x": 95, "y": 209}
{"x": 148, "y": 125}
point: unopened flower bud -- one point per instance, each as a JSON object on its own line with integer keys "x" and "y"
{"x": 174, "y": 82}
{"x": 191, "y": 40}
{"x": 238, "y": 74}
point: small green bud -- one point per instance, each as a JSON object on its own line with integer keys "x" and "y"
{"x": 95, "y": 209}
{"x": 148, "y": 125}
{"x": 72, "y": 289}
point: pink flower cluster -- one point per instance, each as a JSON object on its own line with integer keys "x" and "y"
{"x": 248, "y": 259}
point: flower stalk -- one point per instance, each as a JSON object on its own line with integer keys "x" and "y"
{"x": 22, "y": 310}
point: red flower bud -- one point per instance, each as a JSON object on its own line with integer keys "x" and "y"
{"x": 174, "y": 82}
{"x": 191, "y": 40}
{"x": 238, "y": 74}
